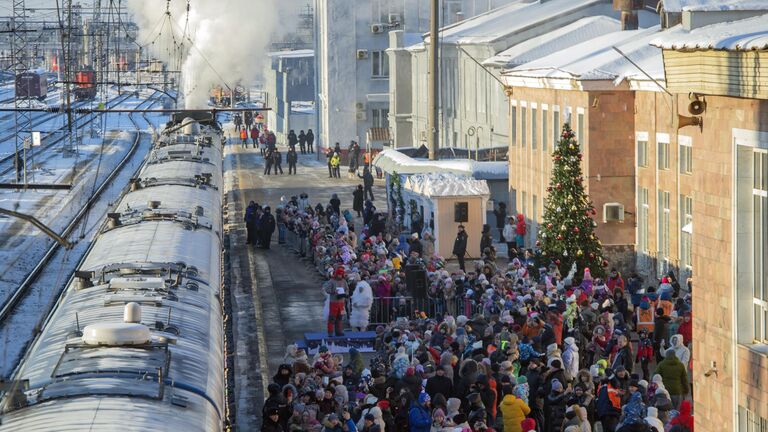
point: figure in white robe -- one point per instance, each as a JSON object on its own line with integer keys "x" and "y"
{"x": 362, "y": 300}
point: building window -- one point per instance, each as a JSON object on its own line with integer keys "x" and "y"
{"x": 544, "y": 130}
{"x": 663, "y": 155}
{"x": 534, "y": 129}
{"x": 380, "y": 62}
{"x": 534, "y": 208}
{"x": 686, "y": 158}
{"x": 663, "y": 230}
{"x": 760, "y": 244}
{"x": 380, "y": 117}
{"x": 523, "y": 118}
{"x": 555, "y": 128}
{"x": 751, "y": 422}
{"x": 580, "y": 117}
{"x": 642, "y": 223}
{"x": 686, "y": 224}
{"x": 513, "y": 126}
{"x": 642, "y": 153}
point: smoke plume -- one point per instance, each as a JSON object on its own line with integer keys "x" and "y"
{"x": 230, "y": 39}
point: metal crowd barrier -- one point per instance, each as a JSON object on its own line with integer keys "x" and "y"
{"x": 388, "y": 309}
{"x": 297, "y": 242}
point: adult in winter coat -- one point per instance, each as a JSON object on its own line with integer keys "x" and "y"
{"x": 310, "y": 141}
{"x": 439, "y": 384}
{"x": 460, "y": 246}
{"x": 292, "y": 157}
{"x": 513, "y": 411}
{"x": 570, "y": 359}
{"x": 554, "y": 410}
{"x": 427, "y": 244}
{"x": 267, "y": 228}
{"x": 685, "y": 418}
{"x": 250, "y": 222}
{"x": 292, "y": 139}
{"x": 335, "y": 202}
{"x": 419, "y": 417}
{"x": 509, "y": 236}
{"x": 362, "y": 300}
{"x": 501, "y": 216}
{"x": 357, "y": 200}
{"x": 277, "y": 160}
{"x": 675, "y": 377}
{"x": 336, "y": 164}
{"x": 520, "y": 231}
{"x": 486, "y": 241}
{"x": 681, "y": 351}
{"x": 255, "y": 137}
{"x": 652, "y": 418}
{"x": 302, "y": 142}
{"x": 367, "y": 182}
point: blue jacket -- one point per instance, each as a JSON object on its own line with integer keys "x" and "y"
{"x": 527, "y": 352}
{"x": 419, "y": 418}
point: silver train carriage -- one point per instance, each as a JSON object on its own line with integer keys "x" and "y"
{"x": 136, "y": 339}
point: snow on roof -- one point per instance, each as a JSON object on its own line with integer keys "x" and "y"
{"x": 293, "y": 53}
{"x": 743, "y": 35}
{"x": 393, "y": 161}
{"x": 446, "y": 185}
{"x": 510, "y": 19}
{"x": 580, "y": 31}
{"x": 597, "y": 60}
{"x": 713, "y": 5}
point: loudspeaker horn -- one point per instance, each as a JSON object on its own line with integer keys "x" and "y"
{"x": 697, "y": 107}
{"x": 683, "y": 121}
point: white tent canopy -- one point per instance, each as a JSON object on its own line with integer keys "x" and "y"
{"x": 393, "y": 161}
{"x": 446, "y": 185}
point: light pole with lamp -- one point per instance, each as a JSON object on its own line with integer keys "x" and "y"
{"x": 470, "y": 133}
{"x": 477, "y": 141}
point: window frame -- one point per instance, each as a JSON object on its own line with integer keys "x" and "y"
{"x": 685, "y": 156}
{"x": 523, "y": 126}
{"x": 544, "y": 127}
{"x": 760, "y": 245}
{"x": 662, "y": 154}
{"x": 534, "y": 127}
{"x": 380, "y": 60}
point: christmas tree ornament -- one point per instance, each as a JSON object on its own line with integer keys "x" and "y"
{"x": 579, "y": 252}
{"x": 576, "y": 230}
{"x": 565, "y": 253}
{"x": 559, "y": 237}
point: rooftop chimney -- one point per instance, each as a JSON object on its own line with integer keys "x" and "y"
{"x": 628, "y": 10}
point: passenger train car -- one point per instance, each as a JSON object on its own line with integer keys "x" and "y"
{"x": 135, "y": 341}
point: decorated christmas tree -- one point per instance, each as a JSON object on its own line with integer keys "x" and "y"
{"x": 567, "y": 232}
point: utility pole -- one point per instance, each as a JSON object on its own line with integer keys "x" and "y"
{"x": 20, "y": 59}
{"x": 434, "y": 83}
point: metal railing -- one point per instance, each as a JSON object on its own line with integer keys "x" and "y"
{"x": 295, "y": 241}
{"x": 388, "y": 309}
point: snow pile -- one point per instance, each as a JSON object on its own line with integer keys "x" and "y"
{"x": 743, "y": 35}
{"x": 446, "y": 185}
{"x": 393, "y": 161}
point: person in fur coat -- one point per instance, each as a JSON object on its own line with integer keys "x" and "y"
{"x": 362, "y": 300}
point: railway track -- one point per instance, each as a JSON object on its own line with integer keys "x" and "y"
{"x": 8, "y": 160}
{"x": 13, "y": 300}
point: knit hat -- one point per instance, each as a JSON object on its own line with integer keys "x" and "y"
{"x": 557, "y": 385}
{"x": 438, "y": 413}
{"x": 423, "y": 398}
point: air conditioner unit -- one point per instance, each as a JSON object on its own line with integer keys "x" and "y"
{"x": 361, "y": 116}
{"x": 394, "y": 18}
{"x": 362, "y": 54}
{"x": 360, "y": 106}
{"x": 613, "y": 212}
{"x": 377, "y": 28}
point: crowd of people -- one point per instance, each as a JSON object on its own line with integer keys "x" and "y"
{"x": 500, "y": 347}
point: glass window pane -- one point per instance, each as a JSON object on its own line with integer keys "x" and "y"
{"x": 581, "y": 132}
{"x": 764, "y": 174}
{"x": 758, "y": 327}
{"x": 757, "y": 245}
{"x": 556, "y": 129}
{"x": 544, "y": 131}
{"x": 764, "y": 250}
{"x": 513, "y": 132}
{"x": 534, "y": 128}
{"x": 523, "y": 123}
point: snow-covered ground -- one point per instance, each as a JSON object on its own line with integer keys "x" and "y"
{"x": 23, "y": 246}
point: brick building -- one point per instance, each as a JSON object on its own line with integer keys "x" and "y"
{"x": 721, "y": 68}
{"x": 595, "y": 91}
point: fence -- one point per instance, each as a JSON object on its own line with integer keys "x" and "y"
{"x": 297, "y": 242}
{"x": 388, "y": 309}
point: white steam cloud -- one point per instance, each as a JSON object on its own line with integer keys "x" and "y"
{"x": 231, "y": 39}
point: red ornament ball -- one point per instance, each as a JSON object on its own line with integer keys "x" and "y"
{"x": 557, "y": 262}
{"x": 556, "y": 157}
{"x": 576, "y": 230}
{"x": 580, "y": 156}
{"x": 559, "y": 237}
{"x": 559, "y": 186}
{"x": 605, "y": 263}
{"x": 538, "y": 243}
{"x": 594, "y": 212}
{"x": 592, "y": 255}
{"x": 549, "y": 225}
{"x": 586, "y": 213}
